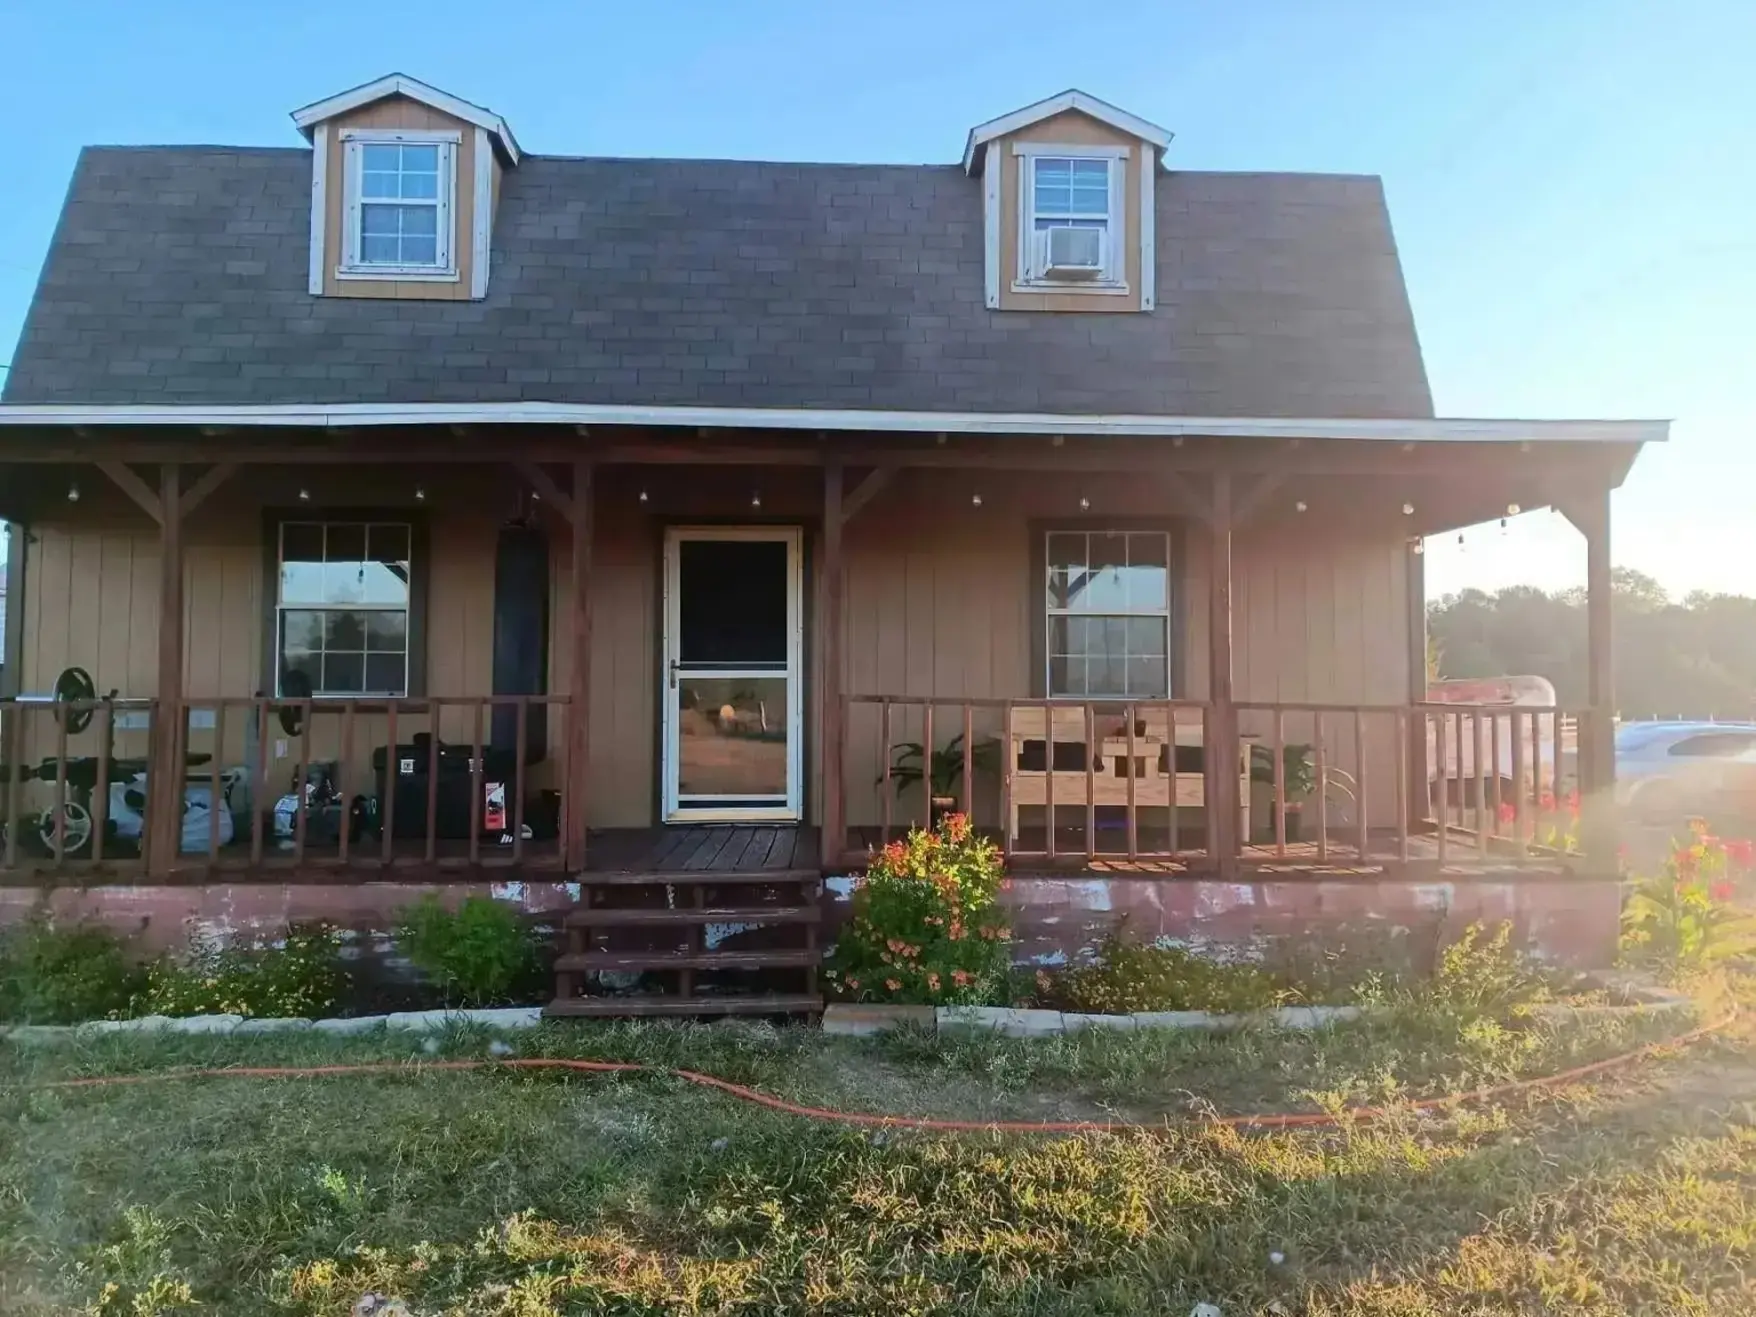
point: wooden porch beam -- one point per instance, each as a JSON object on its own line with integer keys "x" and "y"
{"x": 123, "y": 477}
{"x": 830, "y": 586}
{"x": 575, "y": 807}
{"x": 544, "y": 484}
{"x": 165, "y": 759}
{"x": 1183, "y": 494}
{"x": 863, "y": 493}
{"x": 210, "y": 480}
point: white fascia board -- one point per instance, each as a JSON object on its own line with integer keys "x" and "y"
{"x": 349, "y": 415}
{"x": 1090, "y": 106}
{"x": 400, "y": 84}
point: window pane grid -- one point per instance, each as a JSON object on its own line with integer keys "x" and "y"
{"x": 1108, "y": 611}
{"x": 400, "y": 189}
{"x": 1071, "y": 188}
{"x": 343, "y": 606}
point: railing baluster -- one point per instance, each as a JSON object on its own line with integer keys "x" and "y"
{"x": 434, "y": 720}
{"x": 927, "y": 757}
{"x": 16, "y": 733}
{"x": 100, "y": 801}
{"x": 1091, "y": 755}
{"x": 1049, "y": 755}
{"x": 1476, "y": 743}
{"x": 478, "y": 790}
{"x": 1133, "y": 768}
{"x": 259, "y": 786}
{"x": 1444, "y": 780}
{"x": 214, "y": 797}
{"x": 1360, "y": 782}
{"x": 60, "y": 815}
{"x": 343, "y": 767}
{"x": 1280, "y": 784}
{"x": 387, "y": 801}
{"x": 1518, "y": 782}
{"x": 1209, "y": 789}
{"x": 884, "y": 777}
{"x": 521, "y": 743}
{"x": 1176, "y": 840}
{"x": 1009, "y": 763}
{"x": 1322, "y": 790}
{"x": 301, "y": 820}
{"x": 969, "y": 763}
{"x": 1494, "y": 751}
{"x": 1402, "y": 801}
{"x": 1536, "y": 775}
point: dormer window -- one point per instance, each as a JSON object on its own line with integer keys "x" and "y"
{"x": 1071, "y": 218}
{"x": 402, "y": 189}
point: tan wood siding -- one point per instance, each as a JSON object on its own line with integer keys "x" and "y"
{"x": 1073, "y": 128}
{"x": 399, "y": 112}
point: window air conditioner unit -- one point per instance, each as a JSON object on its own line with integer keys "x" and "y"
{"x": 1072, "y": 252}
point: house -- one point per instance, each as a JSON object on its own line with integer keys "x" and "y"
{"x": 622, "y": 522}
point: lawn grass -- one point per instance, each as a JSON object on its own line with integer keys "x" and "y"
{"x": 526, "y": 1194}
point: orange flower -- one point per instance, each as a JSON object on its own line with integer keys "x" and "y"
{"x": 933, "y": 982}
{"x": 960, "y": 977}
{"x": 957, "y": 826}
{"x": 894, "y": 944}
{"x": 893, "y": 985}
{"x": 957, "y": 930}
{"x": 884, "y": 956}
{"x": 854, "y": 984}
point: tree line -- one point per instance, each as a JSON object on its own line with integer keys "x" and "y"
{"x": 1694, "y": 658}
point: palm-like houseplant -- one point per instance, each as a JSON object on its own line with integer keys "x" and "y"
{"x": 942, "y": 770}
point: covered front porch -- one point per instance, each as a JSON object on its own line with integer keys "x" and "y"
{"x": 1299, "y": 740}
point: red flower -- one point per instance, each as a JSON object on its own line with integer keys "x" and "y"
{"x": 854, "y": 984}
{"x": 933, "y": 982}
{"x": 893, "y": 985}
{"x": 1741, "y": 852}
{"x": 1573, "y": 803}
{"x": 959, "y": 976}
{"x": 1508, "y": 812}
{"x": 1721, "y": 891}
{"x": 1685, "y": 858}
{"x": 1546, "y": 802}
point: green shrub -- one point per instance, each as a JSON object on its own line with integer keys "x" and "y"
{"x": 926, "y": 925}
{"x": 481, "y": 954}
{"x": 299, "y": 978}
{"x": 1132, "y": 976}
{"x": 51, "y": 975}
{"x": 1481, "y": 974}
{"x": 1682, "y": 919}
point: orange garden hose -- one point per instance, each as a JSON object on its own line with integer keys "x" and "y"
{"x": 1262, "y": 1120}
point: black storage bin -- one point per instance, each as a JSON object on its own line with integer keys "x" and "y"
{"x": 405, "y": 771}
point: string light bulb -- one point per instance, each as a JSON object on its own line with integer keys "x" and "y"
{"x": 73, "y": 491}
{"x": 643, "y": 497}
{"x": 975, "y": 499}
{"x": 1084, "y": 503}
{"x": 1301, "y": 506}
{"x": 756, "y": 500}
{"x": 304, "y": 496}
{"x": 1408, "y": 509}
{"x": 1417, "y": 547}
{"x": 420, "y": 493}
{"x": 1512, "y": 509}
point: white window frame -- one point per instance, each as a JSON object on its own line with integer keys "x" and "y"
{"x": 1113, "y": 281}
{"x": 282, "y": 608}
{"x": 445, "y": 270}
{"x": 1165, "y": 614}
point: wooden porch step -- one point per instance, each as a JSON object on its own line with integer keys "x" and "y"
{"x": 652, "y": 1004}
{"x": 683, "y": 877}
{"x": 581, "y": 962}
{"x": 600, "y": 917}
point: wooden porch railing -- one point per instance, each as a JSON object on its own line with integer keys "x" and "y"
{"x": 1322, "y": 785}
{"x": 267, "y": 784}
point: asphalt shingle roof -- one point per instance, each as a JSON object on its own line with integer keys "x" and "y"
{"x": 177, "y": 275}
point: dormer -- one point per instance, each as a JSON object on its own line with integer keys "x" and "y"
{"x": 1068, "y": 199}
{"x": 404, "y": 182}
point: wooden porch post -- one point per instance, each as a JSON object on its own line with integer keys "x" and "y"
{"x": 165, "y": 774}
{"x": 1596, "y": 755}
{"x": 1222, "y": 750}
{"x": 574, "y": 808}
{"x": 831, "y": 711}
{"x": 1417, "y": 794}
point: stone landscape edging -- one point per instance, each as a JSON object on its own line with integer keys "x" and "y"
{"x": 503, "y": 1017}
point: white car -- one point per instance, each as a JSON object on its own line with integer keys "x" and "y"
{"x": 1666, "y": 771}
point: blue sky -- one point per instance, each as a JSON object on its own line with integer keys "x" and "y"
{"x": 1571, "y": 181}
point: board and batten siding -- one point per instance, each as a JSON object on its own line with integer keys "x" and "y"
{"x": 940, "y": 602}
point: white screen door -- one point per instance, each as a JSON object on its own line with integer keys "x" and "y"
{"x": 733, "y": 706}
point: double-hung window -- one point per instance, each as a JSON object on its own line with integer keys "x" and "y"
{"x": 342, "y": 607}
{"x": 1082, "y": 193}
{"x": 401, "y": 193}
{"x": 1109, "y": 614}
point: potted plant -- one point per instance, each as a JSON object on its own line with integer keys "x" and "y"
{"x": 943, "y": 770}
{"x": 1298, "y": 777}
